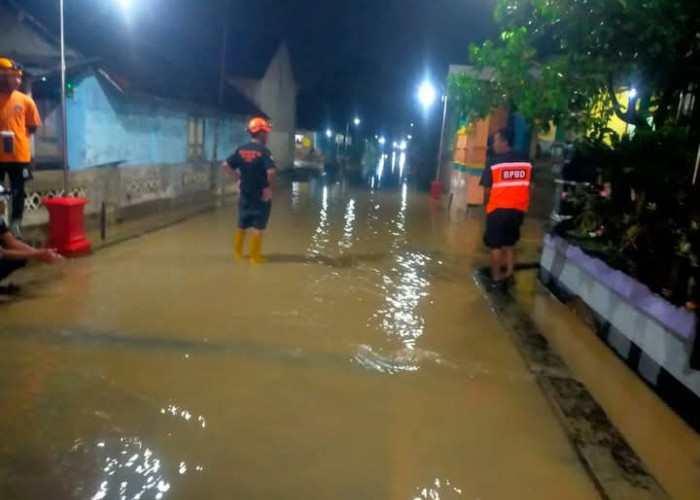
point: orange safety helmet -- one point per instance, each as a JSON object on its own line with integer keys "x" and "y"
{"x": 9, "y": 66}
{"x": 259, "y": 125}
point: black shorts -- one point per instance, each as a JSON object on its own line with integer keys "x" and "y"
{"x": 8, "y": 267}
{"x": 253, "y": 213}
{"x": 503, "y": 227}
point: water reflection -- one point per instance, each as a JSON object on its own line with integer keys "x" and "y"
{"x": 130, "y": 470}
{"x": 380, "y": 171}
{"x": 320, "y": 238}
{"x": 347, "y": 240}
{"x": 439, "y": 490}
{"x": 296, "y": 194}
{"x": 183, "y": 413}
{"x": 403, "y": 286}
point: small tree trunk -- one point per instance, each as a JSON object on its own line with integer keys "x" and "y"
{"x": 534, "y": 139}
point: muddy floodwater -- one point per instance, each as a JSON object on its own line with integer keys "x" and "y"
{"x": 360, "y": 362}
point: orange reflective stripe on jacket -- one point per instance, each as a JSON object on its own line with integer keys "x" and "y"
{"x": 511, "y": 186}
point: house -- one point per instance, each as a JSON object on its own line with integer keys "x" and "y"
{"x": 141, "y": 132}
{"x": 464, "y": 160}
{"x": 274, "y": 90}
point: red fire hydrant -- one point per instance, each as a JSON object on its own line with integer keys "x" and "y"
{"x": 67, "y": 226}
{"x": 436, "y": 190}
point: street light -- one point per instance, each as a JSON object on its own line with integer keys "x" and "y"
{"x": 329, "y": 133}
{"x": 427, "y": 95}
{"x": 382, "y": 140}
{"x": 357, "y": 122}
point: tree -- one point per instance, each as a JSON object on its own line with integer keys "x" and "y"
{"x": 566, "y": 60}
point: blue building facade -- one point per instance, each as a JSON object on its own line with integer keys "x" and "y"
{"x": 107, "y": 126}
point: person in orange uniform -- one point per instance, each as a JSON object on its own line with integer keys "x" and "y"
{"x": 253, "y": 166}
{"x": 508, "y": 181}
{"x": 19, "y": 118}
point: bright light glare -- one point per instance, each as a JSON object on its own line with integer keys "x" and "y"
{"x": 633, "y": 93}
{"x": 329, "y": 133}
{"x": 412, "y": 125}
{"x": 410, "y": 137}
{"x": 395, "y": 144}
{"x": 357, "y": 121}
{"x": 124, "y": 4}
{"x": 403, "y": 146}
{"x": 427, "y": 94}
{"x": 382, "y": 140}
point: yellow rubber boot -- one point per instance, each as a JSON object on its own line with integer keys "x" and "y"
{"x": 238, "y": 241}
{"x": 256, "y": 250}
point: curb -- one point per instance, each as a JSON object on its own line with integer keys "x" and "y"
{"x": 612, "y": 465}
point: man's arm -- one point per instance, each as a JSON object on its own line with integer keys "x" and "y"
{"x": 486, "y": 182}
{"x": 230, "y": 171}
{"x": 31, "y": 117}
{"x": 231, "y": 168}
{"x": 14, "y": 249}
{"x": 271, "y": 170}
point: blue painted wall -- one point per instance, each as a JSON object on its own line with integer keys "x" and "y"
{"x": 231, "y": 135}
{"x": 105, "y": 126}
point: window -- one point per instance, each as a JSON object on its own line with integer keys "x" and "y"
{"x": 195, "y": 138}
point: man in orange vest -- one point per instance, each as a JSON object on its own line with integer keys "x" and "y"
{"x": 19, "y": 118}
{"x": 508, "y": 181}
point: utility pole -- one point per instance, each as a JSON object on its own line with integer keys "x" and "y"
{"x": 222, "y": 83}
{"x": 442, "y": 138}
{"x": 64, "y": 117}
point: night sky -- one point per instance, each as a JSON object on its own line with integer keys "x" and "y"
{"x": 363, "y": 57}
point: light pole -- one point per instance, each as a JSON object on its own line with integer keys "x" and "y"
{"x": 427, "y": 95}
{"x": 125, "y": 4}
{"x": 356, "y": 121}
{"x": 63, "y": 103}
{"x": 442, "y": 137}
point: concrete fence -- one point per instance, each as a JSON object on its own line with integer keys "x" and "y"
{"x": 126, "y": 192}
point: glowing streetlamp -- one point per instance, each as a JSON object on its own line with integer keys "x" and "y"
{"x": 382, "y": 140}
{"x": 356, "y": 121}
{"x": 329, "y": 133}
{"x": 427, "y": 95}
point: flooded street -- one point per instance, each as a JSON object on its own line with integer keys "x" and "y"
{"x": 360, "y": 362}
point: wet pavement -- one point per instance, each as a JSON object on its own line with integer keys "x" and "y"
{"x": 360, "y": 362}
{"x": 665, "y": 443}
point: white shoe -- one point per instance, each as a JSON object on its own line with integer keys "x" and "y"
{"x": 15, "y": 229}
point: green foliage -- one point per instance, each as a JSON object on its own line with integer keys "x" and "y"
{"x": 558, "y": 60}
{"x": 648, "y": 223}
